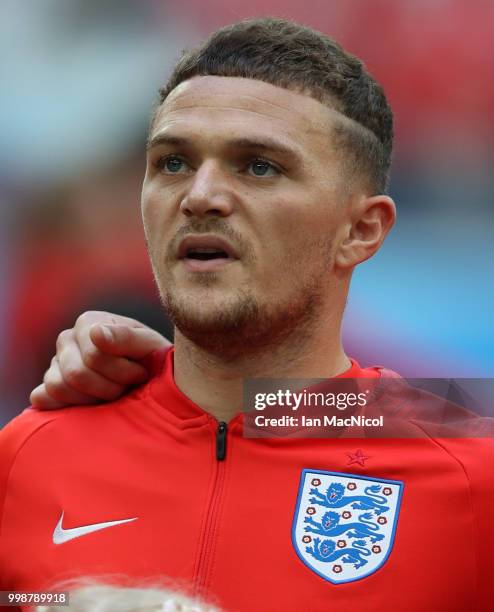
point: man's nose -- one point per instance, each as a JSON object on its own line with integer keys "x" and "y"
{"x": 209, "y": 194}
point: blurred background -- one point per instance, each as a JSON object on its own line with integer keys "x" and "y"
{"x": 79, "y": 78}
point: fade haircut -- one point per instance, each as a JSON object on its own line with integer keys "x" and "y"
{"x": 301, "y": 59}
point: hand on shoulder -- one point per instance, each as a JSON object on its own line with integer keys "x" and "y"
{"x": 97, "y": 360}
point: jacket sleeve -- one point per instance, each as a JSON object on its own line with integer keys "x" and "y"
{"x": 13, "y": 437}
{"x": 476, "y": 457}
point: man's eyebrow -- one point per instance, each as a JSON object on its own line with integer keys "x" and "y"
{"x": 165, "y": 139}
{"x": 262, "y": 143}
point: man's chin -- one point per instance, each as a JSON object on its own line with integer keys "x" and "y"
{"x": 213, "y": 322}
{"x": 232, "y": 325}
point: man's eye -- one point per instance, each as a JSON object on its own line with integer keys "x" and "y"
{"x": 172, "y": 165}
{"x": 259, "y": 167}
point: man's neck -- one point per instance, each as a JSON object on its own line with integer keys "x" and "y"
{"x": 216, "y": 385}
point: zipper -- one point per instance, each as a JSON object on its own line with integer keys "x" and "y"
{"x": 221, "y": 441}
{"x": 207, "y": 549}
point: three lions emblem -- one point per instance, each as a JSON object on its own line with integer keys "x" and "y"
{"x": 344, "y": 524}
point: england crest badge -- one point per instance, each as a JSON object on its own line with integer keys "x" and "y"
{"x": 345, "y": 524}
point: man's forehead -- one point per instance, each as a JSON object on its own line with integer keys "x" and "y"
{"x": 234, "y": 98}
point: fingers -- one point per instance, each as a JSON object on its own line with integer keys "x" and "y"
{"x": 130, "y": 342}
{"x": 96, "y": 360}
{"x": 86, "y": 319}
{"x": 101, "y": 334}
{"x": 110, "y": 350}
{"x": 55, "y": 392}
{"x": 84, "y": 381}
{"x": 83, "y": 354}
{"x": 39, "y": 398}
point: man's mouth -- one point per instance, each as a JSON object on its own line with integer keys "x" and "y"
{"x": 205, "y": 253}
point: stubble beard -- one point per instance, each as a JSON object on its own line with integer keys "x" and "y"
{"x": 243, "y": 327}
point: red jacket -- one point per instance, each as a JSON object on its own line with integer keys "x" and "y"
{"x": 246, "y": 531}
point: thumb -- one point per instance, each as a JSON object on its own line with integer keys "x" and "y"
{"x": 124, "y": 341}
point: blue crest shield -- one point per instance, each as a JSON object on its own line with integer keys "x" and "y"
{"x": 344, "y": 524}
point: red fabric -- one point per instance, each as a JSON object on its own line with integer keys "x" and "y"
{"x": 224, "y": 527}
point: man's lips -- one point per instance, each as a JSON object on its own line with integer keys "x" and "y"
{"x": 205, "y": 253}
{"x": 207, "y": 245}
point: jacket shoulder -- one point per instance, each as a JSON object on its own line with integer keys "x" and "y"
{"x": 18, "y": 431}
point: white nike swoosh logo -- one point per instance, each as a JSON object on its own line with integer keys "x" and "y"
{"x": 61, "y": 535}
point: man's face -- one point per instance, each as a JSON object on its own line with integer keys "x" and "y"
{"x": 243, "y": 207}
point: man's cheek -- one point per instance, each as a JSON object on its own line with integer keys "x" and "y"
{"x": 156, "y": 224}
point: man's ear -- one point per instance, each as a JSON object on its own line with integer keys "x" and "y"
{"x": 370, "y": 221}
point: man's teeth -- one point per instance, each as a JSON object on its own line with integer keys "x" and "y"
{"x": 204, "y": 250}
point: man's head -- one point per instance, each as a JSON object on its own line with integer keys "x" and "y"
{"x": 272, "y": 138}
{"x": 300, "y": 59}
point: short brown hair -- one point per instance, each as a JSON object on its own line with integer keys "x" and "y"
{"x": 299, "y": 58}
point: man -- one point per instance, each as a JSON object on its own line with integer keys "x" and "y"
{"x": 268, "y": 157}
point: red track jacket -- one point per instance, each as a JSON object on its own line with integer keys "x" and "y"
{"x": 135, "y": 488}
